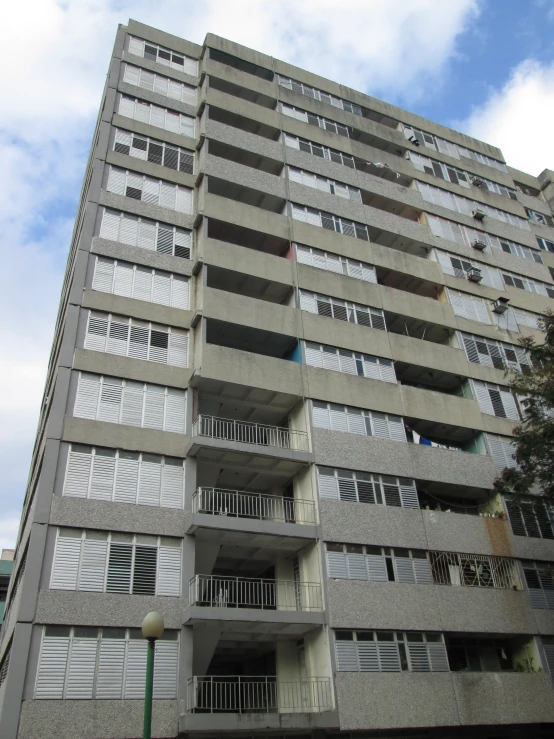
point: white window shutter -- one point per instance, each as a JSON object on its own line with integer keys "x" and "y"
{"x": 166, "y": 670}
{"x": 65, "y": 567}
{"x": 128, "y": 230}
{"x": 347, "y": 657}
{"x": 126, "y": 107}
{"x": 481, "y": 312}
{"x": 111, "y": 667}
{"x": 376, "y": 568}
{"x": 336, "y": 565}
{"x": 81, "y": 668}
{"x": 116, "y": 180}
{"x": 356, "y": 422}
{"x": 422, "y": 571}
{"x": 109, "y": 408}
{"x": 178, "y": 348}
{"x": 77, "y": 478}
{"x": 168, "y": 580}
{"x": 136, "y": 46}
{"x": 356, "y": 564}
{"x": 175, "y": 411}
{"x": 149, "y": 482}
{"x": 126, "y": 481}
{"x": 408, "y": 494}
{"x": 509, "y": 403}
{"x": 88, "y": 394}
{"x": 183, "y": 200}
{"x": 404, "y": 569}
{"x": 161, "y": 292}
{"x": 142, "y": 283}
{"x": 173, "y": 486}
{"x": 154, "y": 402}
{"x": 123, "y": 280}
{"x": 321, "y": 415}
{"x": 103, "y": 476}
{"x": 135, "y": 669}
{"x": 339, "y": 420}
{"x": 179, "y": 292}
{"x": 103, "y": 275}
{"x": 308, "y": 302}
{"x": 313, "y": 354}
{"x": 118, "y": 337}
{"x": 445, "y": 262}
{"x": 93, "y": 565}
{"x": 52, "y": 667}
{"x": 387, "y": 372}
{"x": 379, "y": 425}
{"x": 327, "y": 484}
{"x": 481, "y": 393}
{"x": 397, "y": 431}
{"x": 495, "y": 449}
{"x": 438, "y": 657}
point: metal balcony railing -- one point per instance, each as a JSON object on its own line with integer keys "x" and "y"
{"x": 474, "y": 570}
{"x": 222, "y": 502}
{"x": 253, "y": 592}
{"x": 237, "y": 694}
{"x": 250, "y": 433}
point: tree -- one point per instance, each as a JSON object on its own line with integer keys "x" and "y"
{"x": 534, "y": 437}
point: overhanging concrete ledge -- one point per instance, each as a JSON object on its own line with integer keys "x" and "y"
{"x": 281, "y": 529}
{"x": 195, "y": 614}
{"x": 200, "y": 442}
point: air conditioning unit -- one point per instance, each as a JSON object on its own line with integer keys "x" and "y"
{"x": 410, "y": 135}
{"x": 477, "y": 182}
{"x": 500, "y": 305}
{"x": 478, "y": 244}
{"x": 478, "y": 214}
{"x": 474, "y": 274}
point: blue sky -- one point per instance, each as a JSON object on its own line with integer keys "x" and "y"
{"x": 483, "y": 66}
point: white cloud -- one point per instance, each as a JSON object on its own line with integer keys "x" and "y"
{"x": 59, "y": 52}
{"x": 517, "y": 118}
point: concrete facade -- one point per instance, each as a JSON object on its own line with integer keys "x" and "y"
{"x": 241, "y": 459}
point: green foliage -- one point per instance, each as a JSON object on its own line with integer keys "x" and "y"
{"x": 534, "y": 437}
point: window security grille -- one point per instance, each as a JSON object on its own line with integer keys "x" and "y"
{"x": 317, "y": 150}
{"x": 146, "y": 234}
{"x": 142, "y": 283}
{"x": 446, "y": 199}
{"x": 378, "y": 651}
{"x": 316, "y": 94}
{"x": 131, "y": 403}
{"x": 530, "y": 518}
{"x": 539, "y": 577}
{"x": 335, "y": 263}
{"x": 327, "y": 220}
{"x": 151, "y": 150}
{"x": 473, "y": 570}
{"x": 149, "y": 190}
{"x": 453, "y": 265}
{"x": 128, "y": 337}
{"x": 358, "y": 421}
{"x": 363, "y": 487}
{"x": 377, "y": 564}
{"x": 124, "y": 477}
{"x": 490, "y": 353}
{"x": 341, "y": 310}
{"x": 103, "y": 562}
{"x": 159, "y": 54}
{"x": 169, "y": 120}
{"x": 323, "y": 183}
{"x": 532, "y": 286}
{"x": 352, "y": 363}
{"x": 457, "y": 176}
{"x": 468, "y": 306}
{"x": 161, "y": 85}
{"x": 315, "y": 120}
{"x": 501, "y": 449}
{"x": 86, "y": 663}
{"x": 495, "y": 400}
{"x": 465, "y": 236}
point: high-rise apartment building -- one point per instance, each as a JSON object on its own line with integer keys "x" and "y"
{"x": 274, "y": 412}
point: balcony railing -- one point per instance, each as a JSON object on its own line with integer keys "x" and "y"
{"x": 214, "y": 591}
{"x": 250, "y": 433}
{"x": 235, "y": 503}
{"x": 237, "y": 694}
{"x": 481, "y": 571}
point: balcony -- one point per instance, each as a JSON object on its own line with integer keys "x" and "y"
{"x": 238, "y": 694}
{"x": 253, "y": 505}
{"x": 213, "y": 591}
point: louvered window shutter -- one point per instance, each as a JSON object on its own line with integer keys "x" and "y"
{"x": 81, "y": 668}
{"x": 144, "y": 570}
{"x": 150, "y": 481}
{"x": 404, "y": 569}
{"x": 347, "y": 489}
{"x": 356, "y": 564}
{"x": 391, "y": 492}
{"x": 169, "y": 571}
{"x": 111, "y": 668}
{"x": 131, "y": 75}
{"x": 536, "y": 593}
{"x": 336, "y": 565}
{"x": 77, "y": 479}
{"x": 313, "y": 354}
{"x": 111, "y": 394}
{"x": 123, "y": 280}
{"x": 327, "y": 484}
{"x": 173, "y": 483}
{"x": 376, "y": 568}
{"x": 142, "y": 283}
{"x": 408, "y": 494}
{"x": 397, "y": 432}
{"x": 119, "y": 568}
{"x": 103, "y": 475}
{"x": 178, "y": 348}
{"x": 422, "y": 570}
{"x": 166, "y": 670}
{"x": 356, "y": 422}
{"x": 103, "y": 275}
{"x": 368, "y": 659}
{"x": 308, "y": 302}
{"x": 445, "y": 262}
{"x": 482, "y": 396}
{"x": 338, "y": 417}
{"x": 135, "y": 669}
{"x": 438, "y": 657}
{"x": 116, "y": 180}
{"x": 88, "y": 394}
{"x": 122, "y": 142}
{"x": 549, "y": 654}
{"x": 419, "y": 657}
{"x": 496, "y": 450}
{"x": 175, "y": 411}
{"x": 179, "y": 292}
{"x": 321, "y": 415}
{"x": 379, "y": 425}
{"x": 389, "y": 657}
{"x": 516, "y": 518}
{"x": 136, "y": 46}
{"x": 52, "y": 667}
{"x": 347, "y": 659}
{"x": 65, "y": 568}
{"x": 509, "y": 404}
{"x": 126, "y": 481}
{"x": 93, "y": 564}
{"x": 133, "y": 397}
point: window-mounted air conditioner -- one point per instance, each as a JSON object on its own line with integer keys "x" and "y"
{"x": 477, "y": 182}
{"x": 478, "y": 214}
{"x": 410, "y": 135}
{"x": 479, "y": 244}
{"x": 474, "y": 274}
{"x": 500, "y": 305}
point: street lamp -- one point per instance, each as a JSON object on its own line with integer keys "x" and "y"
{"x": 152, "y": 629}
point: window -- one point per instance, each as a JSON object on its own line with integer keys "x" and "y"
{"x": 533, "y": 286}
{"x": 152, "y": 150}
{"x": 482, "y": 159}
{"x": 514, "y": 318}
{"x": 84, "y": 662}
{"x": 530, "y": 518}
{"x": 501, "y": 449}
{"x": 110, "y": 399}
{"x": 540, "y": 583}
{"x": 545, "y": 245}
{"x": 472, "y": 654}
{"x": 358, "y": 421}
{"x": 379, "y": 564}
{"x": 468, "y": 306}
{"x": 458, "y": 267}
{"x": 318, "y": 150}
{"x": 342, "y": 310}
{"x": 335, "y": 263}
{"x": 466, "y": 206}
{"x": 129, "y": 337}
{"x": 324, "y": 184}
{"x": 159, "y": 54}
{"x": 329, "y": 221}
{"x": 457, "y": 176}
{"x": 495, "y": 400}
{"x": 352, "y": 363}
{"x": 316, "y": 94}
{"x": 362, "y": 487}
{"x": 161, "y": 85}
{"x": 149, "y": 190}
{"x": 115, "y": 475}
{"x": 537, "y": 217}
{"x": 152, "y": 235}
{"x": 390, "y": 651}
{"x": 490, "y": 353}
{"x": 169, "y": 120}
{"x": 141, "y": 283}
{"x": 103, "y": 562}
{"x": 315, "y": 120}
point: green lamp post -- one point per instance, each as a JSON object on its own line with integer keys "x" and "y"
{"x": 152, "y": 629}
